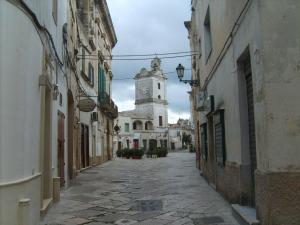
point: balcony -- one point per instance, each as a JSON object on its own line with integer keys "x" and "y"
{"x": 107, "y": 105}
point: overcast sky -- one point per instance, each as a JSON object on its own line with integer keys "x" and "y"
{"x": 147, "y": 27}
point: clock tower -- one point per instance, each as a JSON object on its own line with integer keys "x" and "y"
{"x": 151, "y": 94}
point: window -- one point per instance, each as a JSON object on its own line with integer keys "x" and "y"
{"x": 159, "y": 97}
{"x": 101, "y": 79}
{"x": 207, "y": 35}
{"x": 158, "y": 85}
{"x": 60, "y": 99}
{"x": 146, "y": 126}
{"x": 160, "y": 121}
{"x": 54, "y": 11}
{"x": 126, "y": 127}
{"x": 134, "y": 126}
{"x": 91, "y": 74}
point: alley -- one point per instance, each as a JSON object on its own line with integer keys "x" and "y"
{"x": 148, "y": 191}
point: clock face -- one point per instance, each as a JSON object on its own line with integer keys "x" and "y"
{"x": 145, "y": 91}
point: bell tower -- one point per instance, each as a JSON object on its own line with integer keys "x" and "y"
{"x": 151, "y": 94}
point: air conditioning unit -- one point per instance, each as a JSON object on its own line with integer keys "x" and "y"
{"x": 200, "y": 101}
{"x": 94, "y": 116}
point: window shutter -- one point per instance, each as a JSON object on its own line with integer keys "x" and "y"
{"x": 219, "y": 124}
{"x": 204, "y": 150}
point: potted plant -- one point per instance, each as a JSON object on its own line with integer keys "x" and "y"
{"x": 138, "y": 153}
{"x": 162, "y": 152}
{"x": 120, "y": 152}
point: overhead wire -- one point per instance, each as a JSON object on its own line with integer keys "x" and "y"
{"x": 136, "y": 59}
{"x": 130, "y": 78}
{"x": 149, "y": 54}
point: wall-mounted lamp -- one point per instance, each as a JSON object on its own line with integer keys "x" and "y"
{"x": 180, "y": 74}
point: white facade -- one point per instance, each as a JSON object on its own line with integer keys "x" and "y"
{"x": 176, "y": 133}
{"x": 29, "y": 72}
{"x": 149, "y": 120}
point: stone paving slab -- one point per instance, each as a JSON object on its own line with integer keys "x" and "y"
{"x": 141, "y": 192}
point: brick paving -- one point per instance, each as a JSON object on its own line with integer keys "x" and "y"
{"x": 141, "y": 192}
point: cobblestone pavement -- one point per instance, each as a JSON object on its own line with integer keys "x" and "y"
{"x": 141, "y": 192}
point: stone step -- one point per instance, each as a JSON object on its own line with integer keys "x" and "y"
{"x": 244, "y": 215}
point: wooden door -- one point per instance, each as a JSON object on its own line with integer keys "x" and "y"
{"x": 85, "y": 157}
{"x": 82, "y": 147}
{"x": 136, "y": 144}
{"x": 60, "y": 147}
{"x": 87, "y": 145}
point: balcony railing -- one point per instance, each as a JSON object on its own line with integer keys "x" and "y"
{"x": 107, "y": 105}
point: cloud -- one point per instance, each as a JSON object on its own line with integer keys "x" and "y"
{"x": 150, "y": 26}
{"x": 174, "y": 116}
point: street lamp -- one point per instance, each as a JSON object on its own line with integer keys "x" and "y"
{"x": 180, "y": 74}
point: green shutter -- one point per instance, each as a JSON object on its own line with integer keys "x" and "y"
{"x": 103, "y": 81}
{"x": 126, "y": 127}
{"x": 219, "y": 122}
{"x": 99, "y": 82}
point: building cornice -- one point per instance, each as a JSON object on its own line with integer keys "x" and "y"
{"x": 107, "y": 21}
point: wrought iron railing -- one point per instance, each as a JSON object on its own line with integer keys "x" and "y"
{"x": 107, "y": 105}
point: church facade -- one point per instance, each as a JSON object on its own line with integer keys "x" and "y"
{"x": 147, "y": 125}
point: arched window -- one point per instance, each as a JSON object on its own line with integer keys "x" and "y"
{"x": 137, "y": 125}
{"x": 148, "y": 125}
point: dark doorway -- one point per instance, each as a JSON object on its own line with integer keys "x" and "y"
{"x": 152, "y": 144}
{"x": 136, "y": 143}
{"x": 173, "y": 146}
{"x": 251, "y": 124}
{"x": 85, "y": 161}
{"x": 71, "y": 142}
{"x": 211, "y": 151}
{"x": 248, "y": 138}
{"x": 60, "y": 147}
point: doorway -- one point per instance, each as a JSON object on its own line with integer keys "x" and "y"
{"x": 211, "y": 151}
{"x": 108, "y": 141}
{"x": 152, "y": 144}
{"x": 85, "y": 162}
{"x": 46, "y": 158}
{"x": 60, "y": 147}
{"x": 94, "y": 160}
{"x": 70, "y": 135}
{"x": 247, "y": 125}
{"x": 135, "y": 143}
{"x": 251, "y": 125}
{"x": 119, "y": 145}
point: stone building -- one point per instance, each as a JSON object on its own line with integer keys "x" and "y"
{"x": 176, "y": 134}
{"x": 54, "y": 102}
{"x": 247, "y": 129}
{"x": 33, "y": 103}
{"x": 91, "y": 39}
{"x": 147, "y": 125}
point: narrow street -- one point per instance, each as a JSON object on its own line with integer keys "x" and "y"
{"x": 148, "y": 191}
